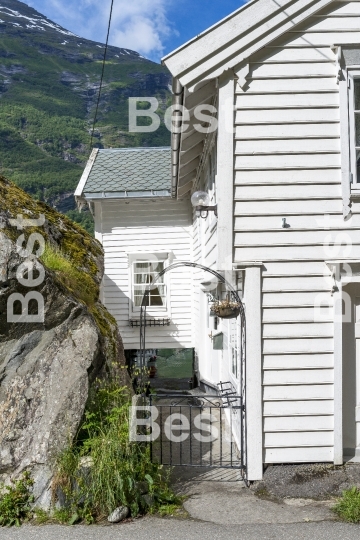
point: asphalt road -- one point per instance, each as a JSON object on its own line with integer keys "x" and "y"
{"x": 152, "y": 528}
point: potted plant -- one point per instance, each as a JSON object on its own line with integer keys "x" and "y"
{"x": 225, "y": 309}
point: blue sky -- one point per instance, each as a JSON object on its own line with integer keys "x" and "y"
{"x": 151, "y": 27}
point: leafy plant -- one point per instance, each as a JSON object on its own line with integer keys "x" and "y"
{"x": 219, "y": 305}
{"x": 41, "y": 516}
{"x": 103, "y": 469}
{"x": 15, "y": 501}
{"x": 348, "y": 506}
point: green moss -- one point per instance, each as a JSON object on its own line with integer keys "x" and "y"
{"x": 79, "y": 283}
{"x": 107, "y": 326}
{"x": 81, "y": 249}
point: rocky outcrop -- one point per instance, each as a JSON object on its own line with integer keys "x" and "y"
{"x": 47, "y": 367}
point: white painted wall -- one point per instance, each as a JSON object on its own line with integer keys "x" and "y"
{"x": 144, "y": 226}
{"x": 287, "y": 165}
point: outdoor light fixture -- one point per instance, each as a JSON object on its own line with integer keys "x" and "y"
{"x": 200, "y": 201}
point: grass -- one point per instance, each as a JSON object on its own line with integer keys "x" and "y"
{"x": 348, "y": 506}
{"x": 116, "y": 470}
{"x": 78, "y": 282}
{"x": 15, "y": 501}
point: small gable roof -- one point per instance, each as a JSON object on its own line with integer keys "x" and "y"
{"x": 126, "y": 172}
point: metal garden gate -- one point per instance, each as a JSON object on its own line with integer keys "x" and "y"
{"x": 210, "y": 431}
{"x": 198, "y": 431}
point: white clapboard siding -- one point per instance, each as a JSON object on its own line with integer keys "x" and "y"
{"x": 298, "y": 423}
{"x": 290, "y": 237}
{"x": 276, "y": 54}
{"x": 316, "y": 39}
{"x": 287, "y": 161}
{"x": 288, "y": 146}
{"x": 297, "y": 392}
{"x": 295, "y": 70}
{"x": 288, "y": 132}
{"x": 301, "y": 376}
{"x": 329, "y": 24}
{"x": 294, "y": 345}
{"x": 295, "y": 299}
{"x": 144, "y": 227}
{"x": 290, "y": 176}
{"x": 297, "y": 223}
{"x": 297, "y": 283}
{"x": 299, "y": 439}
{"x": 299, "y": 408}
{"x": 294, "y": 192}
{"x": 299, "y": 455}
{"x": 320, "y": 84}
{"x": 299, "y": 315}
{"x": 287, "y": 116}
{"x": 297, "y": 362}
{"x": 287, "y": 101}
{"x": 297, "y": 330}
{"x": 292, "y": 268}
{"x": 304, "y": 252}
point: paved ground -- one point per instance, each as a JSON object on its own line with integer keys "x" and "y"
{"x": 219, "y": 508}
{"x": 174, "y": 529}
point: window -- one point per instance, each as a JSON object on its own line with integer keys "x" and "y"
{"x": 233, "y": 345}
{"x": 354, "y": 114}
{"x": 144, "y": 274}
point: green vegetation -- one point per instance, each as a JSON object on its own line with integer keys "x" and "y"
{"x": 48, "y": 95}
{"x": 77, "y": 282}
{"x": 348, "y": 506}
{"x": 84, "y": 219}
{"x": 174, "y": 363}
{"x": 102, "y": 469}
{"x": 15, "y": 501}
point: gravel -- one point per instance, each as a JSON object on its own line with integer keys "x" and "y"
{"x": 318, "y": 481}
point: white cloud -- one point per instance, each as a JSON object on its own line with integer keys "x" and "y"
{"x": 141, "y": 25}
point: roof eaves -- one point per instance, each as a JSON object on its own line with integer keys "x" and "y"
{"x": 127, "y": 194}
{"x": 230, "y": 43}
{"x": 85, "y": 175}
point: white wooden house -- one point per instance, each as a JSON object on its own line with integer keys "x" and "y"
{"x": 282, "y": 168}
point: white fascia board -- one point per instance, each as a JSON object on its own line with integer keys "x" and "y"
{"x": 233, "y": 40}
{"x": 85, "y": 175}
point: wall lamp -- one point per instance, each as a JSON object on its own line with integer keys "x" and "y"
{"x": 200, "y": 201}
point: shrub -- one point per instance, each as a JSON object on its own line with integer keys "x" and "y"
{"x": 15, "y": 501}
{"x": 103, "y": 469}
{"x": 348, "y": 506}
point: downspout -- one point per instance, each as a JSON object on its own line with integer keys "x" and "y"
{"x": 178, "y": 102}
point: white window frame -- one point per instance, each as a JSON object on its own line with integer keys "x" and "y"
{"x": 152, "y": 257}
{"x": 353, "y": 74}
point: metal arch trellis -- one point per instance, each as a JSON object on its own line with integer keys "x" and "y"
{"x": 242, "y": 323}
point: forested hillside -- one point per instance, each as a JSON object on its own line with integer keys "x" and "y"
{"x": 49, "y": 81}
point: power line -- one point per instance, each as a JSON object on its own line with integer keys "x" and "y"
{"x": 102, "y": 74}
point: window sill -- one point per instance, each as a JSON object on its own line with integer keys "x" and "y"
{"x": 355, "y": 191}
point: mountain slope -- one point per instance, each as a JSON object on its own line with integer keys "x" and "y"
{"x": 49, "y": 81}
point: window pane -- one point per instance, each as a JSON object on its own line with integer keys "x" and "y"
{"x": 357, "y": 129}
{"x": 156, "y": 297}
{"x": 145, "y": 273}
{"x": 357, "y": 94}
{"x": 358, "y": 165}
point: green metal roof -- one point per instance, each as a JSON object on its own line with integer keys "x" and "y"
{"x": 135, "y": 170}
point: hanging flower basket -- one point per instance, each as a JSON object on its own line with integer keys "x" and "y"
{"x": 226, "y": 309}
